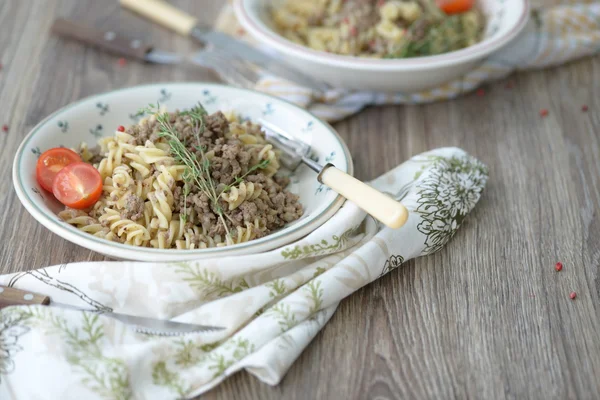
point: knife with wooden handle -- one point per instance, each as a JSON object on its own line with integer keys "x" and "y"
{"x": 174, "y": 19}
{"x": 16, "y": 297}
{"x": 163, "y": 14}
{"x": 112, "y": 42}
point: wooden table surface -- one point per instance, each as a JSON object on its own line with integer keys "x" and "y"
{"x": 486, "y": 317}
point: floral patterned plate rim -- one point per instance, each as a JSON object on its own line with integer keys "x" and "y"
{"x": 99, "y": 115}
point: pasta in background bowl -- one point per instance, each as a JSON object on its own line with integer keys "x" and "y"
{"x": 97, "y": 118}
{"x": 504, "y": 20}
{"x": 377, "y": 28}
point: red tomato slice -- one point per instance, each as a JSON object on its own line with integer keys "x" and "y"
{"x": 52, "y": 161}
{"x": 455, "y": 6}
{"x": 78, "y": 185}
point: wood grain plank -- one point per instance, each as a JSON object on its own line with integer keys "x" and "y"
{"x": 486, "y": 317}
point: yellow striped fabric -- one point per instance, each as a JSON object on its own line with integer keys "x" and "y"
{"x": 555, "y": 35}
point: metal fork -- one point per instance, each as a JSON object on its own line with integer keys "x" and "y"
{"x": 230, "y": 69}
{"x": 379, "y": 205}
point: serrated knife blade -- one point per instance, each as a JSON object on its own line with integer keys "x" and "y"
{"x": 148, "y": 325}
{"x": 10, "y": 296}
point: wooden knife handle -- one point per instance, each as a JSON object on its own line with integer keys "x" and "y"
{"x": 16, "y": 297}
{"x": 163, "y": 14}
{"x": 106, "y": 40}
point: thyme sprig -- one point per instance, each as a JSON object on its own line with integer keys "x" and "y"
{"x": 261, "y": 165}
{"x": 441, "y": 36}
{"x": 197, "y": 169}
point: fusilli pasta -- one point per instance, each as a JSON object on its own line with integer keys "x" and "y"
{"x": 237, "y": 195}
{"x": 376, "y": 28}
{"x": 153, "y": 197}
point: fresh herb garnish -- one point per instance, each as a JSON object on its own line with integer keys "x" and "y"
{"x": 198, "y": 169}
{"x": 261, "y": 165}
{"x": 197, "y": 172}
{"x": 439, "y": 36}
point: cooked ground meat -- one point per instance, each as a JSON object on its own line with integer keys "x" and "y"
{"x": 230, "y": 159}
{"x": 216, "y": 126}
{"x": 377, "y": 28}
{"x": 219, "y": 181}
{"x": 219, "y": 184}
{"x": 282, "y": 181}
{"x": 96, "y": 159}
{"x": 134, "y": 208}
{"x": 364, "y": 12}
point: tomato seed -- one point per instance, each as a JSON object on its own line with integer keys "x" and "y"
{"x": 573, "y": 295}
{"x": 558, "y": 266}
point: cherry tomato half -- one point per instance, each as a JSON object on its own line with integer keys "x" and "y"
{"x": 52, "y": 161}
{"x": 455, "y": 6}
{"x": 78, "y": 185}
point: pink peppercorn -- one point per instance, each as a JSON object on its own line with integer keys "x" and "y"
{"x": 558, "y": 266}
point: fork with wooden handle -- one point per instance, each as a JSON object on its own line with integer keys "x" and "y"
{"x": 294, "y": 152}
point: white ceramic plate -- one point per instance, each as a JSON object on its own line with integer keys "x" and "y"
{"x": 96, "y": 116}
{"x": 505, "y": 19}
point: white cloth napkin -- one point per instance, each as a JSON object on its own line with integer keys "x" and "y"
{"x": 554, "y": 35}
{"x": 272, "y": 304}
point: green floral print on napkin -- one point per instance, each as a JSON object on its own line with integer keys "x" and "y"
{"x": 162, "y": 376}
{"x": 319, "y": 249}
{"x": 106, "y": 376}
{"x": 209, "y": 284}
{"x": 12, "y": 327}
{"x": 446, "y": 195}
